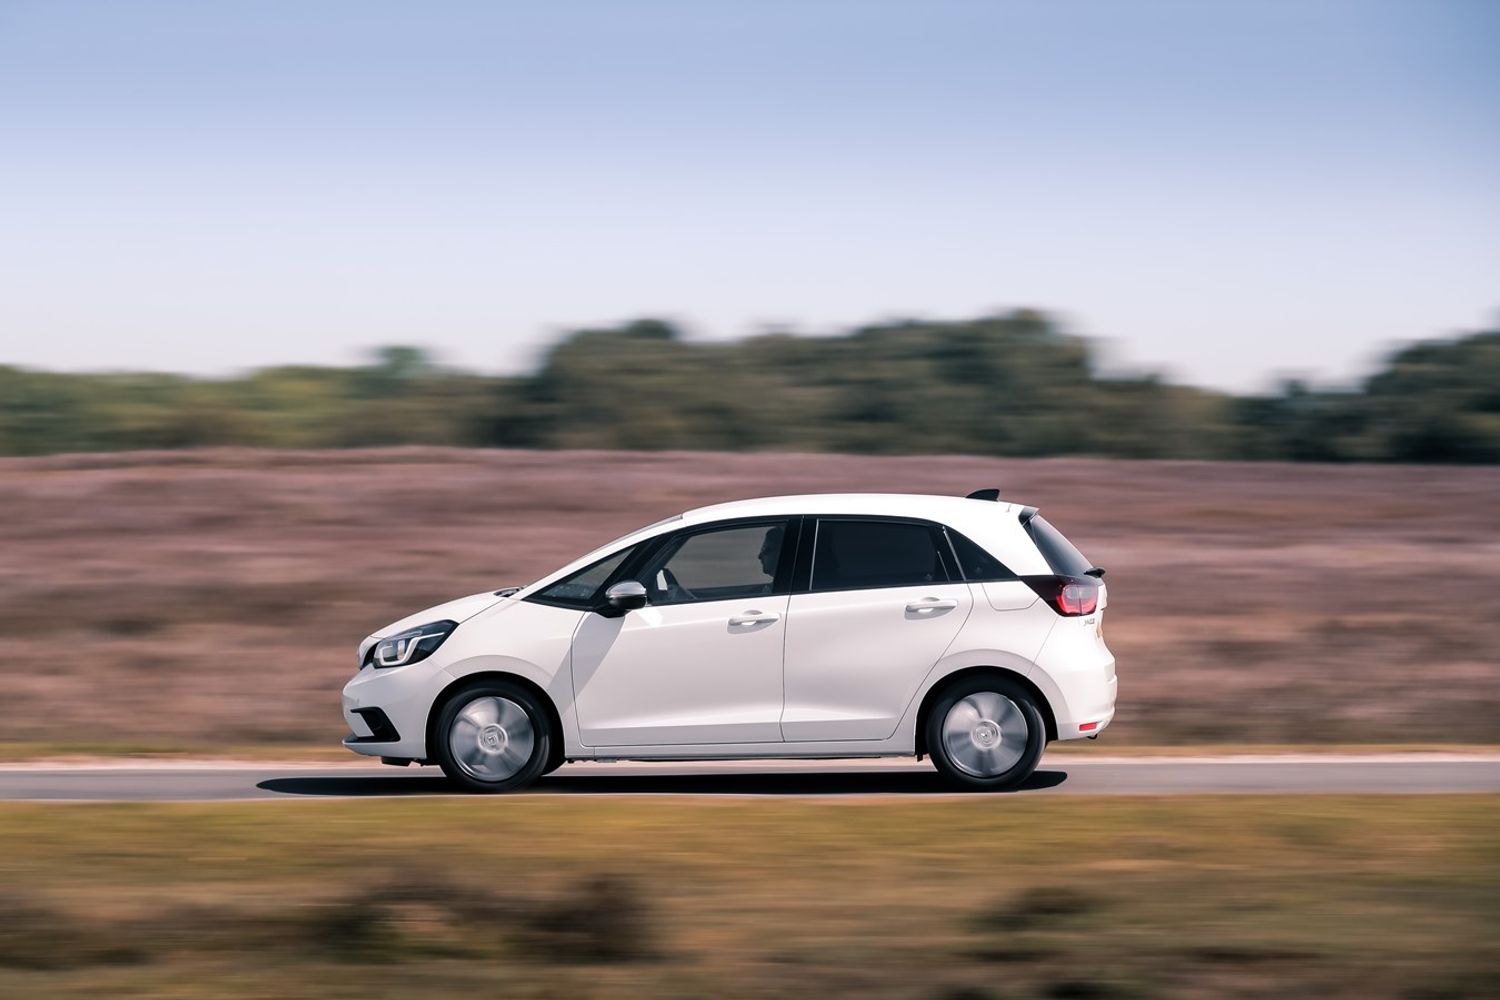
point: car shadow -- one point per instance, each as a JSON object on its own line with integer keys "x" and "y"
{"x": 905, "y": 782}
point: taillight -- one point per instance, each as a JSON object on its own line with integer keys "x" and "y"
{"x": 1068, "y": 595}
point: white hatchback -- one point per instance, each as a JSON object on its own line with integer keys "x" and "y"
{"x": 849, "y": 625}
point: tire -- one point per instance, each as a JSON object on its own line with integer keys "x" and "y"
{"x": 492, "y": 737}
{"x": 986, "y": 734}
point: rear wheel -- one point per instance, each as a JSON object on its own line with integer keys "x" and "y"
{"x": 986, "y": 733}
{"x": 492, "y": 737}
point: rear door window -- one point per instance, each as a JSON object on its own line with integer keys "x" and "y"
{"x": 853, "y": 554}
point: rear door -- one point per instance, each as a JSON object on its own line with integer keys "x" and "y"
{"x": 881, "y": 604}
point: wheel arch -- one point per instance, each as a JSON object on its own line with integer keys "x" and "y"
{"x": 1043, "y": 704}
{"x": 459, "y": 684}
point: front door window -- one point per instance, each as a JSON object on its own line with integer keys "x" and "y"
{"x": 724, "y": 564}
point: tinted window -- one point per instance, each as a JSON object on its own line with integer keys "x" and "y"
{"x": 717, "y": 565}
{"x": 850, "y": 555}
{"x": 581, "y": 589}
{"x": 976, "y": 563}
{"x": 1060, "y": 554}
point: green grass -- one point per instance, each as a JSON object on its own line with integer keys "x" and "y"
{"x": 655, "y": 896}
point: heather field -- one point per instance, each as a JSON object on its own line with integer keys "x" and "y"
{"x": 211, "y": 600}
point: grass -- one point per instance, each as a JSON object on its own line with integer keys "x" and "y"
{"x": 541, "y": 897}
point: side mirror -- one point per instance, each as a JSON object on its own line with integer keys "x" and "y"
{"x": 627, "y": 595}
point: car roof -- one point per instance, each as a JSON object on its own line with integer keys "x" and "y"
{"x": 1002, "y": 536}
{"x": 921, "y": 505}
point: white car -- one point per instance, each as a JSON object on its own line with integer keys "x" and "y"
{"x": 848, "y": 625}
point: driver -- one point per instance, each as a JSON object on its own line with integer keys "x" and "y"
{"x": 665, "y": 581}
{"x": 770, "y": 550}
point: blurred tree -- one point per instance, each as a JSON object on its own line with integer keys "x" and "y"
{"x": 1011, "y": 384}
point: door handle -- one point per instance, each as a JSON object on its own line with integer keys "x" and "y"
{"x": 927, "y": 605}
{"x": 753, "y": 617}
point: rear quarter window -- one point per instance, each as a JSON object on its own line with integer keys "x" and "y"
{"x": 1062, "y": 555}
{"x": 976, "y": 563}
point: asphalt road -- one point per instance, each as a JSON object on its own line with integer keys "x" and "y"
{"x": 1058, "y": 775}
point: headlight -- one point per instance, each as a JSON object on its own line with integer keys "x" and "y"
{"x": 412, "y": 645}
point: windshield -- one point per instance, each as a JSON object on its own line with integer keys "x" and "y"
{"x": 603, "y": 550}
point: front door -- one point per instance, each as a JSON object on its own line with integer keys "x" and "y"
{"x": 884, "y": 604}
{"x": 701, "y": 663}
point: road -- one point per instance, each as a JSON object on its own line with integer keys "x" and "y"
{"x": 1405, "y": 774}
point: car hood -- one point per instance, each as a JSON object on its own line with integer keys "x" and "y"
{"x": 458, "y": 611}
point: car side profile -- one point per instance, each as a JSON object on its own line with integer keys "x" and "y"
{"x": 842, "y": 625}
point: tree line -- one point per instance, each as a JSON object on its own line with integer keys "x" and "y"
{"x": 1013, "y": 384}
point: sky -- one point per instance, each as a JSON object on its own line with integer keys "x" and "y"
{"x": 1224, "y": 192}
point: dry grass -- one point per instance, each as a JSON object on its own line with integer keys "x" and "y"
{"x": 195, "y": 600}
{"x": 982, "y": 897}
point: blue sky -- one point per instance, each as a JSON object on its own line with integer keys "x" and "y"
{"x": 1222, "y": 191}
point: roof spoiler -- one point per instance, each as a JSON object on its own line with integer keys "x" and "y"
{"x": 1027, "y": 513}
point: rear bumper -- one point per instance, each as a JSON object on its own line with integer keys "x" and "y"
{"x": 1096, "y": 721}
{"x": 1077, "y": 673}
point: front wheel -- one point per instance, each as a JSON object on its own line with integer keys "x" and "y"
{"x": 986, "y": 734}
{"x": 493, "y": 737}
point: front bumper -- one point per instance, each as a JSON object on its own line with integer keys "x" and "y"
{"x": 386, "y": 710}
{"x": 379, "y": 726}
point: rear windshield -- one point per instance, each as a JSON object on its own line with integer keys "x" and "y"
{"x": 1060, "y": 553}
